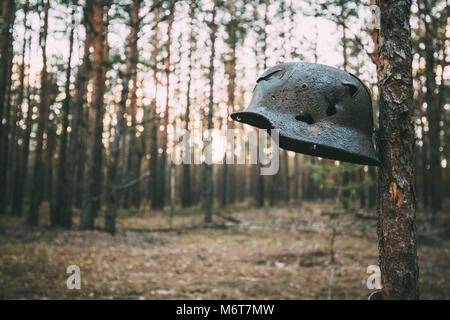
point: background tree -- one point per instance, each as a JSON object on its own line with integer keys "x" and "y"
{"x": 94, "y": 145}
{"x": 208, "y": 184}
{"x": 38, "y": 169}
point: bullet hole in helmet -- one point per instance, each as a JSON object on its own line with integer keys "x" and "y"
{"x": 305, "y": 118}
{"x": 331, "y": 110}
{"x": 273, "y": 97}
{"x": 304, "y": 86}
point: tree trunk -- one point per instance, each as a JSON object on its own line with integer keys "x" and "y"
{"x": 76, "y": 149}
{"x": 14, "y": 169}
{"x": 296, "y": 177}
{"x": 22, "y": 165}
{"x": 397, "y": 202}
{"x": 426, "y": 190}
{"x": 362, "y": 189}
{"x": 186, "y": 200}
{"x": 114, "y": 174}
{"x": 209, "y": 182}
{"x": 61, "y": 196}
{"x": 287, "y": 178}
{"x": 38, "y": 171}
{"x": 161, "y": 188}
{"x": 433, "y": 112}
{"x": 50, "y": 149}
{"x": 95, "y": 118}
{"x": 372, "y": 187}
{"x": 228, "y": 191}
{"x": 154, "y": 122}
{"x": 131, "y": 74}
{"x": 98, "y": 156}
{"x": 6, "y": 55}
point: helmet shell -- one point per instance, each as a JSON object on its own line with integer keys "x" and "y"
{"x": 319, "y": 110}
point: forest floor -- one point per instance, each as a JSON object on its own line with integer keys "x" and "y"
{"x": 268, "y": 253}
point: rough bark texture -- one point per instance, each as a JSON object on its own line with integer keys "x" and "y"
{"x": 397, "y": 201}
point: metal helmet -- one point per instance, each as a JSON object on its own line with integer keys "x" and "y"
{"x": 319, "y": 110}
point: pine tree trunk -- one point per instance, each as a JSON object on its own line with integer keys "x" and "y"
{"x": 22, "y": 165}
{"x": 228, "y": 173}
{"x": 133, "y": 59}
{"x": 362, "y": 190}
{"x": 130, "y": 75}
{"x": 426, "y": 190}
{"x": 14, "y": 169}
{"x": 38, "y": 170}
{"x": 209, "y": 182}
{"x": 296, "y": 177}
{"x": 62, "y": 182}
{"x": 433, "y": 112}
{"x": 287, "y": 179}
{"x": 95, "y": 118}
{"x": 186, "y": 199}
{"x": 76, "y": 149}
{"x": 161, "y": 188}
{"x": 6, "y": 55}
{"x": 372, "y": 187}
{"x": 98, "y": 157}
{"x": 154, "y": 122}
{"x": 50, "y": 149}
{"x": 397, "y": 202}
{"x": 114, "y": 174}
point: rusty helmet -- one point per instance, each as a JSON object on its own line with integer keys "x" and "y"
{"x": 319, "y": 110}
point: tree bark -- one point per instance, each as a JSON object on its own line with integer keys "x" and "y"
{"x": 38, "y": 171}
{"x": 22, "y": 165}
{"x": 228, "y": 190}
{"x": 114, "y": 174}
{"x": 6, "y": 54}
{"x": 433, "y": 111}
{"x": 186, "y": 200}
{"x": 209, "y": 182}
{"x": 14, "y": 154}
{"x": 397, "y": 201}
{"x": 131, "y": 75}
{"x": 161, "y": 188}
{"x": 154, "y": 121}
{"x": 76, "y": 149}
{"x": 61, "y": 196}
{"x": 95, "y": 118}
{"x": 372, "y": 188}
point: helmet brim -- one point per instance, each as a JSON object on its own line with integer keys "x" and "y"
{"x": 319, "y": 139}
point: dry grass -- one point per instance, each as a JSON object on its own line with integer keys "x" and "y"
{"x": 281, "y": 253}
